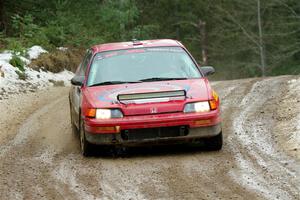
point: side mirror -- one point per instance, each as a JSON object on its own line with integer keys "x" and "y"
{"x": 77, "y": 80}
{"x": 207, "y": 70}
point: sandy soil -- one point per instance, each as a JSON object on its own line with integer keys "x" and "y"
{"x": 40, "y": 159}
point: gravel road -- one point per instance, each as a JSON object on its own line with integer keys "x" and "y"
{"x": 40, "y": 158}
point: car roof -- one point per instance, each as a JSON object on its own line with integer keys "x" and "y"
{"x": 135, "y": 44}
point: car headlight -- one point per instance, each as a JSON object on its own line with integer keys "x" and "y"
{"x": 197, "y": 107}
{"x": 108, "y": 113}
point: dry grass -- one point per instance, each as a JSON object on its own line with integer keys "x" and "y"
{"x": 57, "y": 60}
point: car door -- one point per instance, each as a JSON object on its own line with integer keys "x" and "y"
{"x": 76, "y": 90}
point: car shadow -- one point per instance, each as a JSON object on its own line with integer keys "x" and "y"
{"x": 148, "y": 151}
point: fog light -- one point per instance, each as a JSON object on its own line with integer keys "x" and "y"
{"x": 202, "y": 122}
{"x": 109, "y": 129}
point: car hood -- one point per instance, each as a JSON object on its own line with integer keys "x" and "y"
{"x": 107, "y": 96}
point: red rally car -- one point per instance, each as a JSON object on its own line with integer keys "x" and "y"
{"x": 143, "y": 92}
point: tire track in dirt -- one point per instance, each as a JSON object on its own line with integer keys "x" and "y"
{"x": 42, "y": 160}
{"x": 261, "y": 165}
{"x": 28, "y": 128}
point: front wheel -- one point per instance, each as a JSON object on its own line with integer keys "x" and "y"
{"x": 85, "y": 146}
{"x": 214, "y": 143}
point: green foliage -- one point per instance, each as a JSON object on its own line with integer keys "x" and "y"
{"x": 146, "y": 32}
{"x": 2, "y": 41}
{"x": 23, "y": 26}
{"x": 55, "y": 35}
{"x": 26, "y": 33}
{"x": 15, "y": 45}
{"x": 118, "y": 18}
{"x": 17, "y": 62}
{"x": 231, "y": 28}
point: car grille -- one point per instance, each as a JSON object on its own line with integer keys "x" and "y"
{"x": 154, "y": 133}
{"x": 177, "y": 93}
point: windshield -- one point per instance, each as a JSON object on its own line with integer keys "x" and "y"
{"x": 142, "y": 64}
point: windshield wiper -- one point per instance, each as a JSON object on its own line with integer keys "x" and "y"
{"x": 161, "y": 79}
{"x": 114, "y": 83}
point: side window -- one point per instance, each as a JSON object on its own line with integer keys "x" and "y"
{"x": 85, "y": 63}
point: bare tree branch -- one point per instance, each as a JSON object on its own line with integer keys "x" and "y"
{"x": 246, "y": 33}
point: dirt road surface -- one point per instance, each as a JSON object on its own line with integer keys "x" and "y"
{"x": 40, "y": 158}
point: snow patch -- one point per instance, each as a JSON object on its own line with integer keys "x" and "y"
{"x": 42, "y": 77}
{"x": 8, "y": 70}
{"x": 5, "y": 56}
{"x": 11, "y": 83}
{"x": 35, "y": 51}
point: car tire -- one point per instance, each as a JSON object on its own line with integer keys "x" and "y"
{"x": 214, "y": 143}
{"x": 85, "y": 146}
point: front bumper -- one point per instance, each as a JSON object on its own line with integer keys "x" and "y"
{"x": 193, "y": 135}
{"x": 195, "y": 125}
